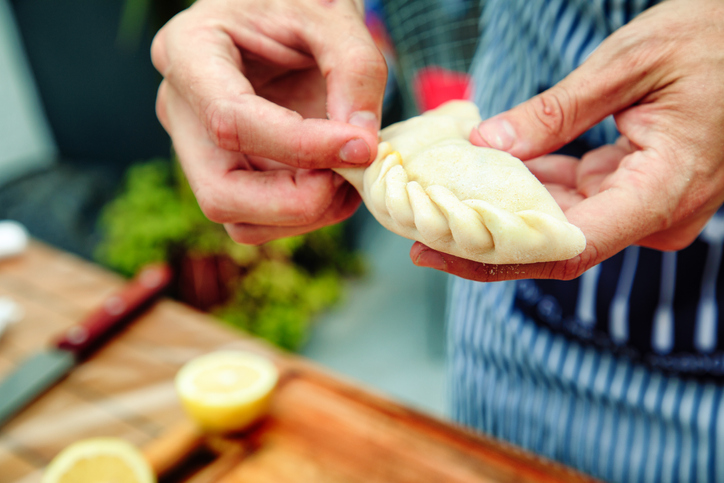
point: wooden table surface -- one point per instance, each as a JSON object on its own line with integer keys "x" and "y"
{"x": 320, "y": 429}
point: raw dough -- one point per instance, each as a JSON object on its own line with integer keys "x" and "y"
{"x": 430, "y": 184}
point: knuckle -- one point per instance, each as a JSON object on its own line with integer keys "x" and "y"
{"x": 365, "y": 63}
{"x": 571, "y": 269}
{"x": 302, "y": 156}
{"x": 222, "y": 124}
{"x": 159, "y": 59}
{"x": 210, "y": 206}
{"x": 556, "y": 110}
{"x": 159, "y": 50}
{"x": 306, "y": 149}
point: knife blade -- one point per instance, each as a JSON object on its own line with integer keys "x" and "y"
{"x": 39, "y": 372}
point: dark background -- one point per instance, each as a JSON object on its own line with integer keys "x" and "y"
{"x": 99, "y": 94}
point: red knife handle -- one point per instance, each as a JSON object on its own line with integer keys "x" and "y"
{"x": 82, "y": 339}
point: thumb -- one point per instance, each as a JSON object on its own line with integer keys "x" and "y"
{"x": 611, "y": 79}
{"x": 353, "y": 66}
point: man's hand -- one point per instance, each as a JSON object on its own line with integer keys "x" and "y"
{"x": 661, "y": 77}
{"x": 257, "y": 97}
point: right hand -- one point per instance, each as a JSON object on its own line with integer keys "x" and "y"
{"x": 660, "y": 76}
{"x": 247, "y": 87}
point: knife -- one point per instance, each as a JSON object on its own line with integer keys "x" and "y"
{"x": 42, "y": 370}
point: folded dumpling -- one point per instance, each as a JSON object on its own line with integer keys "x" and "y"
{"x": 430, "y": 184}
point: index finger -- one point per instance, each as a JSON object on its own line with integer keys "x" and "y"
{"x": 229, "y": 189}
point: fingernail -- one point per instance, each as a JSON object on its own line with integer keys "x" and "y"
{"x": 431, "y": 259}
{"x": 365, "y": 119}
{"x": 355, "y": 151}
{"x": 498, "y": 133}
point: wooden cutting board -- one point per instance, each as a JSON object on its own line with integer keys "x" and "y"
{"x": 321, "y": 428}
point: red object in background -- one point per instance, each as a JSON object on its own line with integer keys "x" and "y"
{"x": 435, "y": 85}
{"x": 205, "y": 282}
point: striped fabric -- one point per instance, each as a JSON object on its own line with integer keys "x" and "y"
{"x": 617, "y": 373}
{"x": 616, "y": 420}
{"x": 526, "y": 47}
{"x": 529, "y": 45}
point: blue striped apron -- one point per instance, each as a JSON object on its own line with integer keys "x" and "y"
{"x": 617, "y": 373}
{"x": 615, "y": 419}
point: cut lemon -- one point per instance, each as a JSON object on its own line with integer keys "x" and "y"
{"x": 226, "y": 390}
{"x": 99, "y": 459}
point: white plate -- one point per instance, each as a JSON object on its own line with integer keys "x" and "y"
{"x": 13, "y": 238}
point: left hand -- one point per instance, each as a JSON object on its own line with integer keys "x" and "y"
{"x": 261, "y": 97}
{"x": 661, "y": 77}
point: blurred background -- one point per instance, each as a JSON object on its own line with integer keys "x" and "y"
{"x": 86, "y": 167}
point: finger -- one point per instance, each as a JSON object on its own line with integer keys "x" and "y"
{"x": 229, "y": 192}
{"x": 618, "y": 74}
{"x": 598, "y": 248}
{"x": 355, "y": 70}
{"x": 565, "y": 197}
{"x": 424, "y": 256}
{"x": 280, "y": 198}
{"x": 204, "y": 66}
{"x": 597, "y": 165}
{"x": 555, "y": 169}
{"x": 346, "y": 201}
{"x": 558, "y": 174}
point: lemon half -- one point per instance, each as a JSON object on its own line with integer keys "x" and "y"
{"x": 226, "y": 390}
{"x": 99, "y": 459}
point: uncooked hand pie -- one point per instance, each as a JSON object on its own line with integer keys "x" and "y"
{"x": 430, "y": 184}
